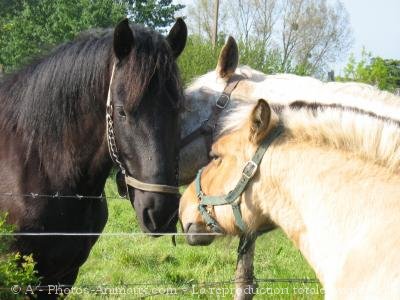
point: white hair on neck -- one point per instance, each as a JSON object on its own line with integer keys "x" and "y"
{"x": 337, "y": 127}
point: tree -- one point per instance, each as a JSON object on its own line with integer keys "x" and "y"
{"x": 323, "y": 34}
{"x": 383, "y": 73}
{"x": 27, "y": 28}
{"x": 201, "y": 19}
{"x": 157, "y": 14}
{"x": 307, "y": 34}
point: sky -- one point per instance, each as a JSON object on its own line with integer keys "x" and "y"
{"x": 375, "y": 25}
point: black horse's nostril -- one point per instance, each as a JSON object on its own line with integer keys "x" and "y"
{"x": 149, "y": 221}
{"x": 154, "y": 215}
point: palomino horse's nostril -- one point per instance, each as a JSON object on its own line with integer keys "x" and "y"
{"x": 198, "y": 235}
{"x": 186, "y": 228}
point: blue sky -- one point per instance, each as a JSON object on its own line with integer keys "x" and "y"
{"x": 375, "y": 25}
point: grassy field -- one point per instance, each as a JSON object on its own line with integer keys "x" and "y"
{"x": 146, "y": 267}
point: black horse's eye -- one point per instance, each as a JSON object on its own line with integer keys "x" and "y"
{"x": 121, "y": 111}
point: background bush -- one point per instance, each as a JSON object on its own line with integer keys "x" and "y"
{"x": 14, "y": 268}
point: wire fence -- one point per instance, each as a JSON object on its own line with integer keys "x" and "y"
{"x": 101, "y": 197}
{"x": 121, "y": 234}
{"x": 61, "y": 196}
{"x": 179, "y": 289}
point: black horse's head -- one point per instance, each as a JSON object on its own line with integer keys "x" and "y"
{"x": 146, "y": 95}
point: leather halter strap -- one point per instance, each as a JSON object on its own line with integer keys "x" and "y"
{"x": 113, "y": 150}
{"x": 248, "y": 172}
{"x": 207, "y": 127}
{"x": 160, "y": 188}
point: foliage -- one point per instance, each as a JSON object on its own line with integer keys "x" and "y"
{"x": 200, "y": 57}
{"x": 28, "y": 28}
{"x": 156, "y": 14}
{"x": 304, "y": 36}
{"x": 384, "y": 73}
{"x": 14, "y": 268}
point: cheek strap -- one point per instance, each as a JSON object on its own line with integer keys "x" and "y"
{"x": 233, "y": 197}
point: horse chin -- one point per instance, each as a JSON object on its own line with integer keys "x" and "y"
{"x": 194, "y": 239}
{"x": 150, "y": 219}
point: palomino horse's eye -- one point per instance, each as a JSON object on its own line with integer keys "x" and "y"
{"x": 213, "y": 155}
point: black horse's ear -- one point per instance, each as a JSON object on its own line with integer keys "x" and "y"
{"x": 228, "y": 59}
{"x": 177, "y": 37}
{"x": 121, "y": 185}
{"x": 123, "y": 39}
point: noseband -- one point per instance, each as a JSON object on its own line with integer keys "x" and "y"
{"x": 113, "y": 150}
{"x": 233, "y": 197}
{"x": 207, "y": 127}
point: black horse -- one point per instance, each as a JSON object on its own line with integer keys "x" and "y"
{"x": 54, "y": 139}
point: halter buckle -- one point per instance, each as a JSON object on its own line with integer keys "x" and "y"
{"x": 222, "y": 101}
{"x": 249, "y": 169}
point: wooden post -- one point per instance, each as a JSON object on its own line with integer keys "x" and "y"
{"x": 215, "y": 28}
{"x": 246, "y": 285}
{"x": 331, "y": 75}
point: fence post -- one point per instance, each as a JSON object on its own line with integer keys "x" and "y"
{"x": 331, "y": 75}
{"x": 215, "y": 29}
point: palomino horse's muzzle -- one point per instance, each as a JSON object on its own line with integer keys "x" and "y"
{"x": 193, "y": 237}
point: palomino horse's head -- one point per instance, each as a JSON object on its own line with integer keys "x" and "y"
{"x": 146, "y": 97}
{"x": 230, "y": 154}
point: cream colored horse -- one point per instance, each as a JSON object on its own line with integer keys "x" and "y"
{"x": 279, "y": 89}
{"x": 331, "y": 181}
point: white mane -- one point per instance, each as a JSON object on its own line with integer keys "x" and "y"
{"x": 371, "y": 138}
{"x": 286, "y": 88}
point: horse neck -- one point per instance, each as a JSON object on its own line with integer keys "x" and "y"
{"x": 284, "y": 89}
{"x": 78, "y": 158}
{"x": 324, "y": 199}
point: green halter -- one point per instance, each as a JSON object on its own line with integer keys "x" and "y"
{"x": 248, "y": 172}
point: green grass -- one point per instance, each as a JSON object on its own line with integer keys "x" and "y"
{"x": 140, "y": 263}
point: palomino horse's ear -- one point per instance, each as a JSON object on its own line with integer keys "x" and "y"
{"x": 123, "y": 39}
{"x": 259, "y": 121}
{"x": 121, "y": 185}
{"x": 228, "y": 59}
{"x": 177, "y": 37}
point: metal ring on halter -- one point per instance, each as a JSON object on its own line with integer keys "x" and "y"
{"x": 113, "y": 150}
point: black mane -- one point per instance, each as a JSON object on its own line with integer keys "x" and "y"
{"x": 45, "y": 103}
